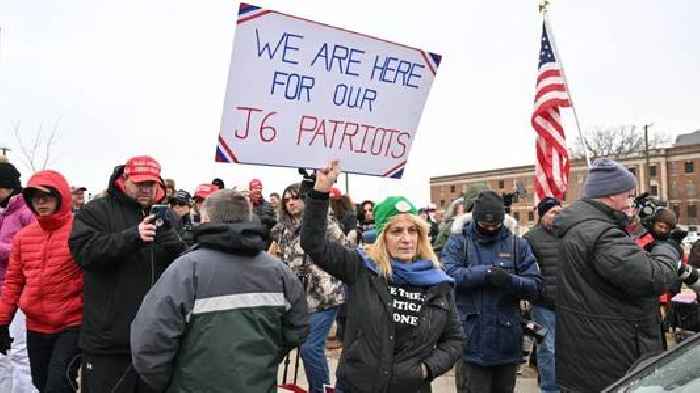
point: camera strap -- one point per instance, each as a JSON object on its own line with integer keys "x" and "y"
{"x": 515, "y": 254}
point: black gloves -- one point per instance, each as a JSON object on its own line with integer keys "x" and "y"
{"x": 497, "y": 277}
{"x": 5, "y": 339}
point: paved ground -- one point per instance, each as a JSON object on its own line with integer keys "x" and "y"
{"x": 527, "y": 382}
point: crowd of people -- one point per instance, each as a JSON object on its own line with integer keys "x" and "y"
{"x": 148, "y": 288}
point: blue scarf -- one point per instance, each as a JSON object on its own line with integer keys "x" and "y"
{"x": 421, "y": 273}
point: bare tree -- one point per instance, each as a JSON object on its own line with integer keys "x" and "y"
{"x": 616, "y": 141}
{"x": 36, "y": 151}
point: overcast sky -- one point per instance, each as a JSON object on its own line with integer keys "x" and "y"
{"x": 122, "y": 78}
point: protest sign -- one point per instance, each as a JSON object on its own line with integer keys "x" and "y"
{"x": 301, "y": 93}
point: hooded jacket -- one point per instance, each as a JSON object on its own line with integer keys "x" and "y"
{"x": 119, "y": 268}
{"x": 15, "y": 216}
{"x": 491, "y": 315}
{"x": 607, "y": 307}
{"x": 221, "y": 318}
{"x": 42, "y": 278}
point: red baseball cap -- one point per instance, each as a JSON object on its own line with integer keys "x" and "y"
{"x": 335, "y": 193}
{"x": 142, "y": 168}
{"x": 254, "y": 183}
{"x": 204, "y": 190}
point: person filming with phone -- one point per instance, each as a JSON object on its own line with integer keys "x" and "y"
{"x": 122, "y": 242}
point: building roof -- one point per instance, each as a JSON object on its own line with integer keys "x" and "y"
{"x": 691, "y": 138}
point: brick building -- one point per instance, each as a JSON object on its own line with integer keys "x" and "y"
{"x": 673, "y": 175}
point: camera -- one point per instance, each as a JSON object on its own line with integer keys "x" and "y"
{"x": 159, "y": 211}
{"x": 534, "y": 329}
{"x": 647, "y": 207}
{"x": 307, "y": 183}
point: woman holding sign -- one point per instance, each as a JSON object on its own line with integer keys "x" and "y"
{"x": 402, "y": 329}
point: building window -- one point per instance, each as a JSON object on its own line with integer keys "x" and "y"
{"x": 689, "y": 167}
{"x": 442, "y": 203}
{"x": 531, "y": 216}
{"x": 692, "y": 211}
{"x": 452, "y": 188}
{"x": 654, "y": 190}
{"x": 674, "y": 190}
{"x": 690, "y": 189}
{"x": 652, "y": 171}
{"x": 676, "y": 210}
{"x": 501, "y": 184}
{"x": 516, "y": 215}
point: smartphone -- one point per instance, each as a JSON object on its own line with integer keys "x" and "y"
{"x": 159, "y": 212}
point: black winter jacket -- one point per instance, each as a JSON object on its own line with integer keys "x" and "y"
{"x": 368, "y": 363}
{"x": 119, "y": 268}
{"x": 545, "y": 246}
{"x": 266, "y": 214}
{"x": 607, "y": 307}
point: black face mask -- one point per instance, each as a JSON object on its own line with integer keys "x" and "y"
{"x": 661, "y": 236}
{"x": 486, "y": 232}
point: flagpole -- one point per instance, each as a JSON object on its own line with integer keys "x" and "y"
{"x": 550, "y": 35}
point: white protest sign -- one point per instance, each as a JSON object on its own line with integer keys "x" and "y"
{"x": 301, "y": 93}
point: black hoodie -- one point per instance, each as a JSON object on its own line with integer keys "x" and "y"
{"x": 119, "y": 268}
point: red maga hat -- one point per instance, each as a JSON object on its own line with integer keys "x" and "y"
{"x": 204, "y": 190}
{"x": 142, "y": 168}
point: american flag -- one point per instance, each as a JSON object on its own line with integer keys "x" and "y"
{"x": 552, "y": 166}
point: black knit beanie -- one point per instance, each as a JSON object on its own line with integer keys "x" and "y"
{"x": 666, "y": 216}
{"x": 9, "y": 176}
{"x": 489, "y": 208}
{"x": 546, "y": 204}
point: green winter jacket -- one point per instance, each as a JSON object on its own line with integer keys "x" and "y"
{"x": 221, "y": 318}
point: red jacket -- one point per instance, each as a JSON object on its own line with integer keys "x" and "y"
{"x": 42, "y": 278}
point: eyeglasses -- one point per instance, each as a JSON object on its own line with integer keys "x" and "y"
{"x": 291, "y": 198}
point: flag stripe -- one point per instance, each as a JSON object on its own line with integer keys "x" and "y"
{"x": 551, "y": 93}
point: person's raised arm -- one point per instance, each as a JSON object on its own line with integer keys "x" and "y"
{"x": 331, "y": 256}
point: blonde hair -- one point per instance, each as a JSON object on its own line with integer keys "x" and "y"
{"x": 379, "y": 253}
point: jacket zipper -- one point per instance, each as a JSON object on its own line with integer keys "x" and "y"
{"x": 45, "y": 260}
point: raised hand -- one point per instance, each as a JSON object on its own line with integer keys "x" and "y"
{"x": 326, "y": 177}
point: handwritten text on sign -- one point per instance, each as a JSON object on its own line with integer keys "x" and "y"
{"x": 300, "y": 93}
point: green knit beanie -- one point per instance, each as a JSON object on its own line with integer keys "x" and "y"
{"x": 388, "y": 208}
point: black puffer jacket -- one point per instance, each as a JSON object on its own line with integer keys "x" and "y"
{"x": 607, "y": 307}
{"x": 369, "y": 363}
{"x": 545, "y": 246}
{"x": 119, "y": 268}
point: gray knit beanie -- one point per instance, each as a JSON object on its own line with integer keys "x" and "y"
{"x": 607, "y": 177}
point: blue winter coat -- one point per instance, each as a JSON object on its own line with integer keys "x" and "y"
{"x": 491, "y": 315}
